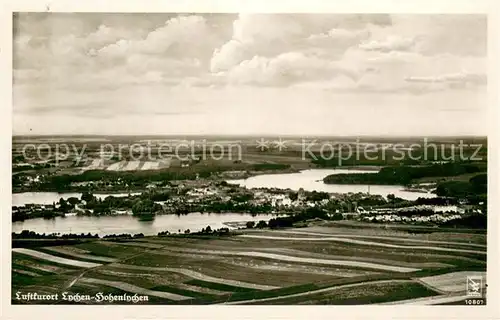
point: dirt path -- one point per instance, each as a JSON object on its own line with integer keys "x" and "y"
{"x": 79, "y": 255}
{"x": 429, "y": 300}
{"x": 137, "y": 244}
{"x": 430, "y": 287}
{"x": 308, "y": 254}
{"x": 78, "y": 277}
{"x": 48, "y": 257}
{"x": 281, "y": 257}
{"x": 28, "y": 273}
{"x": 135, "y": 289}
{"x": 362, "y": 242}
{"x": 302, "y": 294}
{"x": 197, "y": 275}
{"x": 298, "y": 232}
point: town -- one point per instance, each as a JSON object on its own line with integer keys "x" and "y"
{"x": 203, "y": 195}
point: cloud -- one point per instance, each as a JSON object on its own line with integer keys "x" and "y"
{"x": 57, "y": 57}
{"x": 461, "y": 35}
{"x": 283, "y": 70}
{"x": 454, "y": 80}
{"x": 269, "y": 35}
{"x": 259, "y": 49}
{"x": 370, "y": 54}
{"x": 229, "y": 55}
{"x": 105, "y": 35}
{"x": 178, "y": 36}
{"x": 108, "y": 56}
{"x": 256, "y": 35}
{"x": 338, "y": 36}
{"x": 391, "y": 43}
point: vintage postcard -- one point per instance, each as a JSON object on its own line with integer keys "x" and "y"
{"x": 251, "y": 157}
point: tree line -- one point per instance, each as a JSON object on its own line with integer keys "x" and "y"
{"x": 404, "y": 175}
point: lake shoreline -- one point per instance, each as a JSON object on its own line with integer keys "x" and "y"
{"x": 312, "y": 180}
{"x": 119, "y": 224}
{"x": 306, "y": 180}
{"x": 309, "y": 180}
{"x": 250, "y": 174}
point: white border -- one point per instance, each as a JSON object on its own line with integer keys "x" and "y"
{"x": 490, "y": 311}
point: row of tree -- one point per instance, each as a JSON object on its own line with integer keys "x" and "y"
{"x": 27, "y": 234}
{"x": 289, "y": 221}
{"x": 404, "y": 175}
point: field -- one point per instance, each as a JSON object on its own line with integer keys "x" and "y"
{"x": 330, "y": 264}
{"x": 131, "y": 165}
{"x": 115, "y": 153}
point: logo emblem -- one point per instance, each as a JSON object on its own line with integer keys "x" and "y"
{"x": 474, "y": 286}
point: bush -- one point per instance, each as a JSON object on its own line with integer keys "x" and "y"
{"x": 269, "y": 166}
{"x": 261, "y": 225}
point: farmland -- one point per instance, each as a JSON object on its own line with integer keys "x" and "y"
{"x": 325, "y": 264}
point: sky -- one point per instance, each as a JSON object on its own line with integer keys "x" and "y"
{"x": 278, "y": 74}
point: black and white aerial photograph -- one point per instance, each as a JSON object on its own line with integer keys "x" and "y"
{"x": 249, "y": 159}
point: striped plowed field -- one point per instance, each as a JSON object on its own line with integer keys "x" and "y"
{"x": 318, "y": 265}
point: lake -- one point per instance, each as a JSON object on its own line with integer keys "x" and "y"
{"x": 308, "y": 179}
{"x": 21, "y": 199}
{"x": 312, "y": 179}
{"x": 129, "y": 224}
